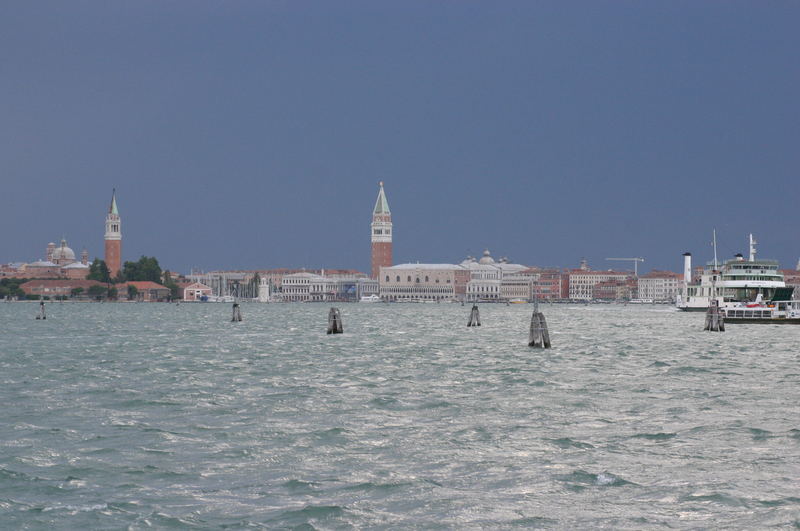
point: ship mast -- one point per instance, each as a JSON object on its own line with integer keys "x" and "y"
{"x": 715, "y": 249}
{"x": 753, "y": 243}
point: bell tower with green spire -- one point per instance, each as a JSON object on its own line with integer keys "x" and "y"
{"x": 113, "y": 237}
{"x": 381, "y": 234}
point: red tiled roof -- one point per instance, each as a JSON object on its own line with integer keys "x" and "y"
{"x": 143, "y": 285}
{"x": 661, "y": 274}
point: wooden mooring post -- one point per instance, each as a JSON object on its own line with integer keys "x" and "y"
{"x": 474, "y": 316}
{"x": 715, "y": 320}
{"x": 539, "y": 336}
{"x": 237, "y": 313}
{"x": 41, "y": 314}
{"x": 335, "y": 321}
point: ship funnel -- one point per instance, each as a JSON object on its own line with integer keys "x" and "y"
{"x": 687, "y": 268}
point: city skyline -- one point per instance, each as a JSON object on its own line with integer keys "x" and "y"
{"x": 253, "y": 137}
{"x": 381, "y": 239}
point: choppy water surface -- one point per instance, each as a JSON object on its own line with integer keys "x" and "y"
{"x": 137, "y": 415}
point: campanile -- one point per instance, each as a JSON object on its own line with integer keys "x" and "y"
{"x": 113, "y": 237}
{"x": 381, "y": 234}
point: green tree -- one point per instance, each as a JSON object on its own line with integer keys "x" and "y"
{"x": 98, "y": 271}
{"x": 112, "y": 293}
{"x": 76, "y": 292}
{"x": 10, "y": 287}
{"x": 133, "y": 291}
{"x": 146, "y": 268}
{"x": 97, "y": 292}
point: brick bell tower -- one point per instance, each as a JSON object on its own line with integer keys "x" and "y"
{"x": 381, "y": 234}
{"x": 113, "y": 237}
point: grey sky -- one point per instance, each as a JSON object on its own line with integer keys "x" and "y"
{"x": 253, "y": 134}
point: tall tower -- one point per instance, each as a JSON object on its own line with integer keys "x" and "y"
{"x": 381, "y": 234}
{"x": 113, "y": 237}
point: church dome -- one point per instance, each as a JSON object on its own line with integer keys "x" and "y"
{"x": 486, "y": 258}
{"x": 63, "y": 253}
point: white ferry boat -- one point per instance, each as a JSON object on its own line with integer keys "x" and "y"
{"x": 370, "y": 298}
{"x": 780, "y": 310}
{"x": 735, "y": 281}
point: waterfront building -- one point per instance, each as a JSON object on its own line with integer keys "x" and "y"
{"x": 547, "y": 285}
{"x": 195, "y": 292}
{"x": 484, "y": 278}
{"x": 615, "y": 289}
{"x": 381, "y": 234}
{"x": 580, "y": 282}
{"x": 518, "y": 286}
{"x": 492, "y": 280}
{"x": 113, "y": 237}
{"x": 660, "y": 285}
{"x": 146, "y": 291}
{"x": 304, "y": 287}
{"x": 267, "y": 285}
{"x": 53, "y": 288}
{"x": 427, "y": 282}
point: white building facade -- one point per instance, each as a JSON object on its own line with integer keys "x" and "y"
{"x": 492, "y": 280}
{"x": 581, "y": 282}
{"x": 660, "y": 285}
{"x": 423, "y": 282}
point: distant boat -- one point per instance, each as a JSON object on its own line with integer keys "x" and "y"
{"x": 220, "y": 298}
{"x": 370, "y": 298}
{"x": 518, "y": 301}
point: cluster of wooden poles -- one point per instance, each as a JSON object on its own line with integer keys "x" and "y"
{"x": 715, "y": 321}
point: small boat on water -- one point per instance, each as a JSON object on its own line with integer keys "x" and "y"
{"x": 370, "y": 298}
{"x": 216, "y": 298}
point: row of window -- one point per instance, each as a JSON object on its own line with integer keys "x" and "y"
{"x": 408, "y": 279}
{"x": 393, "y": 290}
{"x": 483, "y": 288}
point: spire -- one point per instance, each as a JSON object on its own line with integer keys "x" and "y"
{"x": 381, "y": 205}
{"x": 113, "y": 208}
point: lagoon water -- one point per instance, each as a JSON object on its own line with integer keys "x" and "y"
{"x": 138, "y": 415}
